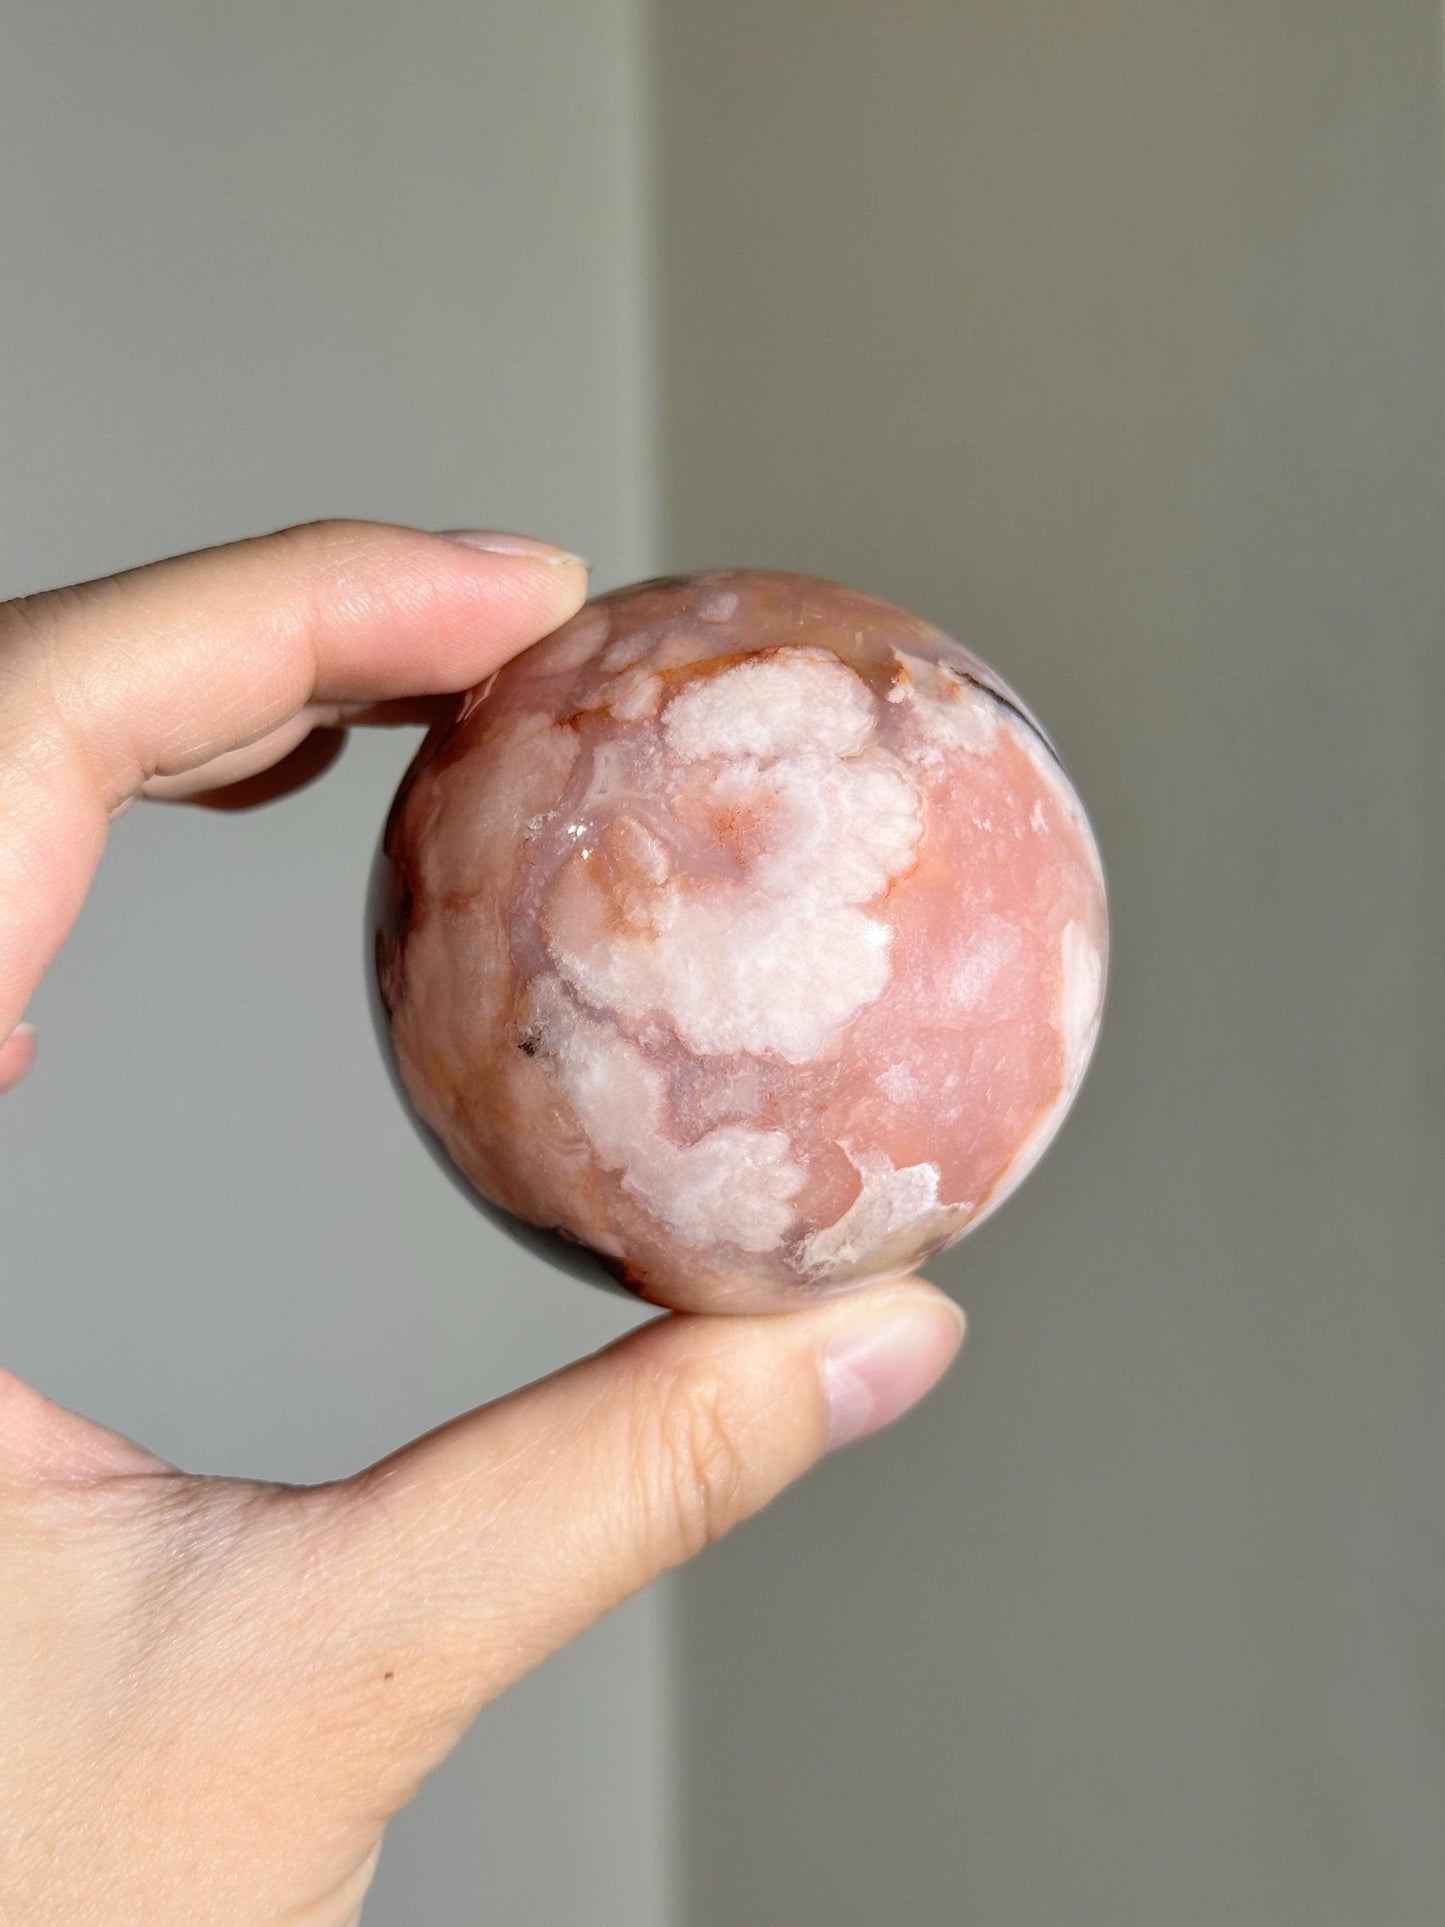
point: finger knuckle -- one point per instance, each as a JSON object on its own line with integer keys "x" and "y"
{"x": 29, "y": 629}
{"x": 702, "y": 1463}
{"x": 332, "y": 544}
{"x": 40, "y": 693}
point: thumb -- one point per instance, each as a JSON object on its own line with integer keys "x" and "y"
{"x": 41, "y": 1441}
{"x": 453, "y": 1567}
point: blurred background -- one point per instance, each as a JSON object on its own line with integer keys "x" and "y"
{"x": 1111, "y": 338}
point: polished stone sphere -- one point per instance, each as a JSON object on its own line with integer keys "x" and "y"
{"x": 744, "y": 933}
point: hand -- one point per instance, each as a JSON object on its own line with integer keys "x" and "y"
{"x": 213, "y": 1693}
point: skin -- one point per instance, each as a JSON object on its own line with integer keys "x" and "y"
{"x": 215, "y": 1693}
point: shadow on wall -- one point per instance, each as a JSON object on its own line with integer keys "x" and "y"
{"x": 1111, "y": 340}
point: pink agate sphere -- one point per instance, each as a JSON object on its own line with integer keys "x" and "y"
{"x": 745, "y": 932}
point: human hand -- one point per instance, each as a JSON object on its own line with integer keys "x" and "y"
{"x": 214, "y": 1693}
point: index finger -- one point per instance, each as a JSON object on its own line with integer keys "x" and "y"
{"x": 162, "y": 669}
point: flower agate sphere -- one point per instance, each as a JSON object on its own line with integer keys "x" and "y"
{"x": 746, "y": 932}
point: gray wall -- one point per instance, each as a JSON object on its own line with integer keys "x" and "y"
{"x": 260, "y": 263}
{"x": 1111, "y": 336}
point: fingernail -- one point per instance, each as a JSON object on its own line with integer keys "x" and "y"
{"x": 876, "y": 1370}
{"x": 500, "y": 542}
